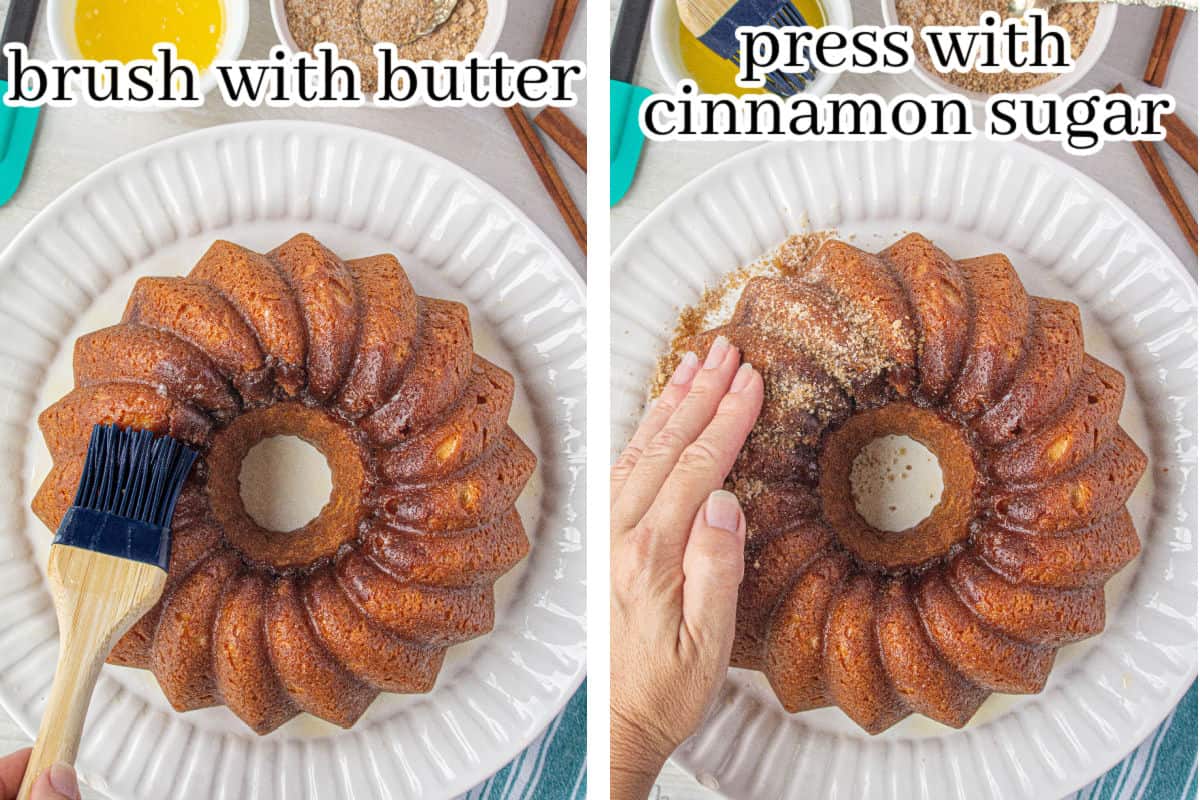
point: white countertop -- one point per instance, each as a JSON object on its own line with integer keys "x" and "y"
{"x": 74, "y": 142}
{"x": 666, "y": 167}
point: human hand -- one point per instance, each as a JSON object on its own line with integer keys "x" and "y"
{"x": 56, "y": 783}
{"x": 677, "y": 553}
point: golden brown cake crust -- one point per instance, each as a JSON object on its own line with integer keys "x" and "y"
{"x": 772, "y": 562}
{"x": 389, "y": 323}
{"x": 465, "y": 432}
{"x": 853, "y": 670}
{"x": 1088, "y": 418}
{"x": 329, "y": 304}
{"x": 1000, "y": 315}
{"x": 440, "y": 368}
{"x": 924, "y": 681}
{"x": 241, "y": 665}
{"x": 139, "y": 354}
{"x": 460, "y": 558}
{"x": 197, "y": 313}
{"x": 937, "y": 292}
{"x": 421, "y": 521}
{"x": 793, "y": 653}
{"x": 254, "y": 285}
{"x": 1011, "y": 562}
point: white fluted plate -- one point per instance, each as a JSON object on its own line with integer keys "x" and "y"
{"x": 154, "y": 212}
{"x": 1069, "y": 238}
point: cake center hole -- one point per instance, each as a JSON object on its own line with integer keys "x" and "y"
{"x": 896, "y": 482}
{"x": 285, "y": 482}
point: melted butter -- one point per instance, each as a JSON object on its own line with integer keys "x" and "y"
{"x": 713, "y": 74}
{"x": 126, "y": 30}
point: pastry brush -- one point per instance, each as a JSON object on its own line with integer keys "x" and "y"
{"x": 107, "y": 568}
{"x": 715, "y": 24}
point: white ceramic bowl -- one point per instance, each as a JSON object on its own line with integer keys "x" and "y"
{"x": 497, "y": 10}
{"x": 60, "y": 21}
{"x": 664, "y": 41}
{"x": 1106, "y": 20}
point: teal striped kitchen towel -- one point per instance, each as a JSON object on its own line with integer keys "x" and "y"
{"x": 554, "y": 767}
{"x": 1162, "y": 768}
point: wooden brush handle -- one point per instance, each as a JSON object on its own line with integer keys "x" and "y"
{"x": 97, "y": 597}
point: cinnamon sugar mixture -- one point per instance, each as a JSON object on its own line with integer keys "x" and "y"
{"x": 818, "y": 351}
{"x": 718, "y": 300}
{"x": 1078, "y": 19}
{"x": 356, "y": 26}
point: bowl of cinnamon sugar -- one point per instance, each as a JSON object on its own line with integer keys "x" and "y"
{"x": 1090, "y": 26}
{"x": 442, "y": 30}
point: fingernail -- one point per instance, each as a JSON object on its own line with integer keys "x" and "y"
{"x": 742, "y": 379}
{"x": 62, "y": 778}
{"x": 723, "y": 511}
{"x": 716, "y": 353}
{"x": 686, "y": 369}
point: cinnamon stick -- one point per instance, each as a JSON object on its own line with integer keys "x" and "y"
{"x": 1167, "y": 190}
{"x": 561, "y": 17}
{"x": 558, "y": 126}
{"x": 549, "y": 176}
{"x": 1181, "y": 138}
{"x": 1170, "y": 23}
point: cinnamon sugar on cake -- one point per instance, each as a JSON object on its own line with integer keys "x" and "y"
{"x": 717, "y": 301}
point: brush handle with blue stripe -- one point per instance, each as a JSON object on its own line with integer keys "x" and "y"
{"x": 108, "y": 567}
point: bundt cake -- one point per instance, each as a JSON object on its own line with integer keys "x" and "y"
{"x": 1011, "y": 562}
{"x": 421, "y": 521}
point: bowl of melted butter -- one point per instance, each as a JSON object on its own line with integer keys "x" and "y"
{"x": 202, "y": 31}
{"x": 680, "y": 55}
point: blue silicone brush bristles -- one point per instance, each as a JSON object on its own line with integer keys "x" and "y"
{"x": 131, "y": 482}
{"x": 721, "y": 38}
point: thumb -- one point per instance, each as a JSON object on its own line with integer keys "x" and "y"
{"x": 58, "y": 782}
{"x": 713, "y": 562}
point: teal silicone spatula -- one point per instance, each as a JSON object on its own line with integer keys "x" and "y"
{"x": 624, "y": 99}
{"x": 17, "y": 125}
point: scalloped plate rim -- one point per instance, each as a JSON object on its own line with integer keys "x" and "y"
{"x": 557, "y": 258}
